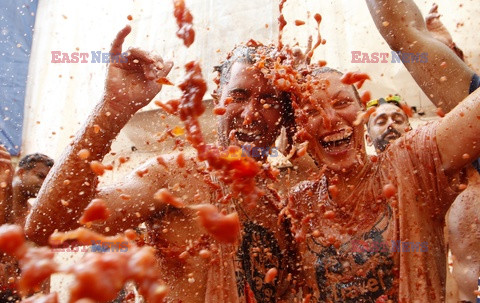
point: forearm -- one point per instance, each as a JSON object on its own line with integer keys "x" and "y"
{"x": 6, "y": 177}
{"x": 72, "y": 184}
{"x": 442, "y": 75}
{"x": 458, "y": 134}
{"x": 396, "y": 20}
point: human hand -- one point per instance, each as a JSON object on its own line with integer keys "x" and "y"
{"x": 132, "y": 79}
{"x": 6, "y": 167}
{"x": 433, "y": 13}
{"x": 436, "y": 27}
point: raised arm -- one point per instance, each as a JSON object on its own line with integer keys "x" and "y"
{"x": 458, "y": 137}
{"x": 71, "y": 183}
{"x": 402, "y": 26}
{"x": 6, "y": 176}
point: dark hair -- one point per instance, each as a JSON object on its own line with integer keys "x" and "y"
{"x": 249, "y": 53}
{"x": 240, "y": 53}
{"x": 252, "y": 53}
{"x": 29, "y": 161}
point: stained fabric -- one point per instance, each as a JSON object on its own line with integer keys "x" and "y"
{"x": 17, "y": 18}
{"x": 391, "y": 249}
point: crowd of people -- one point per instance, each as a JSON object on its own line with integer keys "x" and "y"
{"x": 337, "y": 225}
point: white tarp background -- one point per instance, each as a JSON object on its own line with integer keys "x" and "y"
{"x": 60, "y": 95}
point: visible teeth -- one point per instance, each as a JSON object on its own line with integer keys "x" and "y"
{"x": 346, "y": 133}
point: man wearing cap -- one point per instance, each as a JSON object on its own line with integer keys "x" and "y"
{"x": 387, "y": 123}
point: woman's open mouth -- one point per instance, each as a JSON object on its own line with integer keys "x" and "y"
{"x": 337, "y": 142}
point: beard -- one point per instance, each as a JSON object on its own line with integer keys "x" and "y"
{"x": 381, "y": 143}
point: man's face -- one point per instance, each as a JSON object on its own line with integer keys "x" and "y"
{"x": 31, "y": 180}
{"x": 386, "y": 124}
{"x": 329, "y": 118}
{"x": 253, "y": 109}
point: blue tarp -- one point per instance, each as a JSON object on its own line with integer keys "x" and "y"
{"x": 17, "y": 19}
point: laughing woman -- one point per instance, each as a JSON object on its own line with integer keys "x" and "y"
{"x": 371, "y": 229}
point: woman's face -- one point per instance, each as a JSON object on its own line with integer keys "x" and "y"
{"x": 330, "y": 114}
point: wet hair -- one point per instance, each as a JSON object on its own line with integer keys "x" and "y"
{"x": 29, "y": 161}
{"x": 252, "y": 53}
{"x": 327, "y": 70}
{"x": 241, "y": 54}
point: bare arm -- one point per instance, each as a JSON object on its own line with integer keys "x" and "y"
{"x": 132, "y": 200}
{"x": 71, "y": 183}
{"x": 6, "y": 176}
{"x": 458, "y": 136}
{"x": 402, "y": 26}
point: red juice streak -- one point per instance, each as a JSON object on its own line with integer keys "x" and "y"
{"x": 281, "y": 23}
{"x": 299, "y": 22}
{"x": 184, "y": 21}
{"x": 351, "y": 78}
{"x": 238, "y": 172}
{"x": 318, "y": 18}
{"x": 191, "y": 103}
{"x": 366, "y": 96}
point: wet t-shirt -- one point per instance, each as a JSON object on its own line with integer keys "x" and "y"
{"x": 371, "y": 248}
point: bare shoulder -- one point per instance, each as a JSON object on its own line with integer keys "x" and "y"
{"x": 181, "y": 174}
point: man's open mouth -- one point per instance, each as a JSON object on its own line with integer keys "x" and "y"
{"x": 337, "y": 141}
{"x": 391, "y": 136}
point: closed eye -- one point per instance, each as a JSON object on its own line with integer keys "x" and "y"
{"x": 381, "y": 120}
{"x": 398, "y": 118}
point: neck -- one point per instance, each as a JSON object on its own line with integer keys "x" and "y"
{"x": 345, "y": 181}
